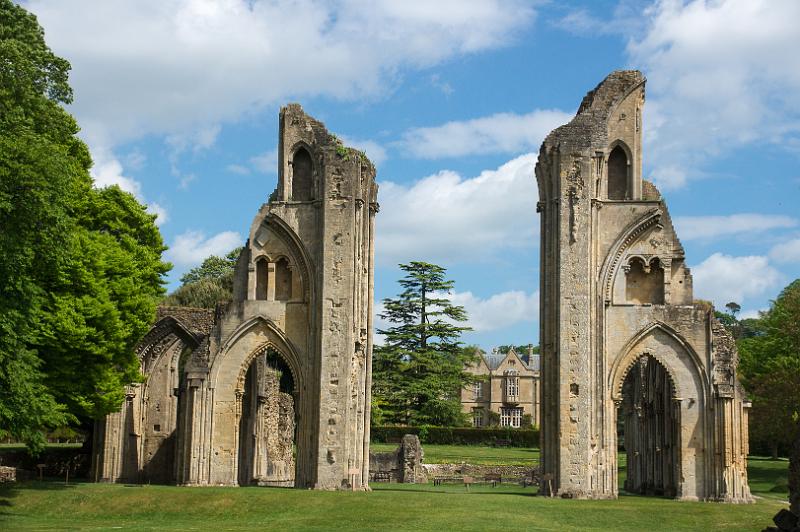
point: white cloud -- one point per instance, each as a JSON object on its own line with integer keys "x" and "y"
{"x": 751, "y": 314}
{"x": 191, "y": 247}
{"x": 498, "y": 133}
{"x": 498, "y": 311}
{"x": 707, "y": 227}
{"x": 107, "y": 170}
{"x": 375, "y": 152}
{"x": 266, "y": 162}
{"x": 171, "y": 66}
{"x": 786, "y": 252}
{"x": 720, "y": 74}
{"x": 444, "y": 217}
{"x": 238, "y": 169}
{"x": 161, "y": 213}
{"x": 197, "y": 140}
{"x": 723, "y": 278}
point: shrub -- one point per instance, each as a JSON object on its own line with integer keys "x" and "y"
{"x": 458, "y": 435}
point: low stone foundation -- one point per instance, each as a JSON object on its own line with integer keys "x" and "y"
{"x": 529, "y": 474}
{"x": 404, "y": 464}
{"x": 8, "y": 474}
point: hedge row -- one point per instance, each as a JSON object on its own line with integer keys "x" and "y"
{"x": 459, "y": 435}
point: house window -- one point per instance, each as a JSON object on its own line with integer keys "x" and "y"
{"x": 512, "y": 383}
{"x": 477, "y": 391}
{"x": 477, "y": 417}
{"x": 511, "y": 417}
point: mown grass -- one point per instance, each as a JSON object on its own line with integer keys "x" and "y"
{"x": 470, "y": 454}
{"x": 84, "y": 506}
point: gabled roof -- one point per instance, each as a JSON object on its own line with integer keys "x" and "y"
{"x": 493, "y": 360}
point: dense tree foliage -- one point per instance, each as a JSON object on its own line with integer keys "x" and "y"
{"x": 81, "y": 267}
{"x": 419, "y": 371}
{"x": 207, "y": 284}
{"x": 770, "y": 370}
{"x": 521, "y": 350}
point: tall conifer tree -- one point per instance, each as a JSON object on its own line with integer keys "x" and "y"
{"x": 419, "y": 371}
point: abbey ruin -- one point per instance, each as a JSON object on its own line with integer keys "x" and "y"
{"x": 628, "y": 357}
{"x": 622, "y": 339}
{"x": 223, "y": 390}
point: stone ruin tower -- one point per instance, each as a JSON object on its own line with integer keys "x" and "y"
{"x": 624, "y": 344}
{"x": 228, "y": 394}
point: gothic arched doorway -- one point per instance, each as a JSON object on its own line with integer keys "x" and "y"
{"x": 649, "y": 429}
{"x": 267, "y": 424}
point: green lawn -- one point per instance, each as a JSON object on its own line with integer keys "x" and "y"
{"x": 470, "y": 454}
{"x": 53, "y": 506}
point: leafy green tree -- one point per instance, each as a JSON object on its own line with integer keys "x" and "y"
{"x": 419, "y": 371}
{"x": 770, "y": 370}
{"x": 733, "y": 308}
{"x": 214, "y": 267}
{"x": 81, "y": 267}
{"x": 207, "y": 284}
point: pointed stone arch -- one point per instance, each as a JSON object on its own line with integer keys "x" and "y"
{"x": 628, "y": 356}
{"x": 628, "y": 237}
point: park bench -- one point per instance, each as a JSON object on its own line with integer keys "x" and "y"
{"x": 382, "y": 476}
{"x": 502, "y": 443}
{"x": 493, "y": 478}
{"x": 438, "y": 481}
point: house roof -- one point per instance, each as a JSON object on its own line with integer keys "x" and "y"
{"x": 493, "y": 360}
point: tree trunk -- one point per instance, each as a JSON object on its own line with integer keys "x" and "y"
{"x": 794, "y": 474}
{"x": 774, "y": 447}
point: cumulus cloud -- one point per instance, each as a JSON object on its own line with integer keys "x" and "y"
{"x": 786, "y": 252}
{"x": 707, "y": 227}
{"x": 499, "y": 310}
{"x": 170, "y": 66}
{"x": 191, "y": 247}
{"x": 161, "y": 213}
{"x": 721, "y": 74}
{"x": 375, "y": 152}
{"x": 723, "y": 278}
{"x": 107, "y": 170}
{"x": 447, "y": 217}
{"x": 266, "y": 162}
{"x": 498, "y": 133}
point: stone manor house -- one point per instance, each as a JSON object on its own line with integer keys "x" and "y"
{"x": 274, "y": 387}
{"x": 509, "y": 389}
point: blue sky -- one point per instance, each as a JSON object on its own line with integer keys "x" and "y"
{"x": 179, "y": 100}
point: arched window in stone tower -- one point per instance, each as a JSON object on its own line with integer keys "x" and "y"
{"x": 644, "y": 282}
{"x": 283, "y": 280}
{"x": 262, "y": 278}
{"x": 618, "y": 174}
{"x": 302, "y": 175}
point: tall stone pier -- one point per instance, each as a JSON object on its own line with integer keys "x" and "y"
{"x": 286, "y": 363}
{"x": 623, "y": 343}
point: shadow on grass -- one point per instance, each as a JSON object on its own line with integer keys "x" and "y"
{"x": 13, "y": 489}
{"x": 455, "y": 491}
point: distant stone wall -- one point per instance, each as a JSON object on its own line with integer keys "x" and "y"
{"x": 478, "y": 472}
{"x": 403, "y": 465}
{"x": 198, "y": 320}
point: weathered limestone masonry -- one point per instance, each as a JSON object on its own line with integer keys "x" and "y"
{"x": 620, "y": 332}
{"x": 404, "y": 464}
{"x": 287, "y": 362}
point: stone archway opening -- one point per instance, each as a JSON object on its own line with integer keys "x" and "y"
{"x": 267, "y": 424}
{"x": 648, "y": 427}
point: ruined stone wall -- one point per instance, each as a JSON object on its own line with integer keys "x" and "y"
{"x": 403, "y": 465}
{"x": 615, "y": 288}
{"x": 303, "y": 288}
